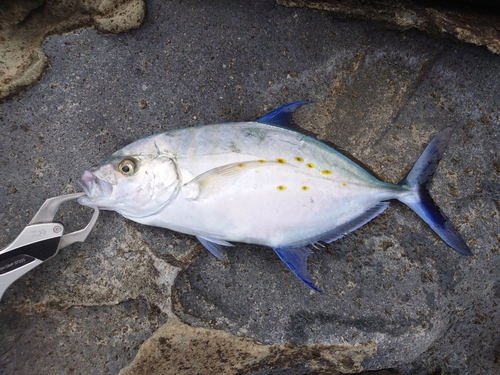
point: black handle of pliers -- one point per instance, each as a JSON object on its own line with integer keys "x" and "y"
{"x": 35, "y": 242}
{"x": 26, "y": 254}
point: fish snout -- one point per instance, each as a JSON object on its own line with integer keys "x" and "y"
{"x": 86, "y": 181}
{"x": 92, "y": 185}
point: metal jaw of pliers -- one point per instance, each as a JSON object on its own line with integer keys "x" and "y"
{"x": 40, "y": 240}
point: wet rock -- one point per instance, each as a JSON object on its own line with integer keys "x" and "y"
{"x": 14, "y": 12}
{"x": 98, "y": 340}
{"x": 25, "y": 24}
{"x": 179, "y": 349}
{"x": 473, "y": 22}
{"x": 399, "y": 307}
{"x": 117, "y": 18}
{"x": 392, "y": 289}
{"x": 100, "y": 275}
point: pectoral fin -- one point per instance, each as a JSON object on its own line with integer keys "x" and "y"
{"x": 221, "y": 178}
{"x": 213, "y": 245}
{"x": 296, "y": 259}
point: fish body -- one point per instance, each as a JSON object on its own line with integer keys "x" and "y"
{"x": 256, "y": 182}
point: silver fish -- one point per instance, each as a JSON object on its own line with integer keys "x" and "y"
{"x": 258, "y": 182}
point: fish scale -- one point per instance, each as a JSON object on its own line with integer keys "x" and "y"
{"x": 258, "y": 182}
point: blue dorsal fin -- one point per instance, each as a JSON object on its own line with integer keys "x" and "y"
{"x": 213, "y": 245}
{"x": 296, "y": 259}
{"x": 282, "y": 116}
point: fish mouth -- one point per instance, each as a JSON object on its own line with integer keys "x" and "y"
{"x": 93, "y": 187}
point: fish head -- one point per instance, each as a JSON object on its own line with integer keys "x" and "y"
{"x": 135, "y": 186}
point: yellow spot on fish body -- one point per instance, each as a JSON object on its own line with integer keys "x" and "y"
{"x": 305, "y": 188}
{"x": 326, "y": 172}
{"x": 282, "y": 161}
{"x": 261, "y": 161}
{"x": 281, "y": 187}
{"x": 242, "y": 165}
{"x": 344, "y": 184}
{"x": 310, "y": 165}
{"x": 299, "y": 159}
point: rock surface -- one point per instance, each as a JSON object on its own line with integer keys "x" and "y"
{"x": 178, "y": 349}
{"x": 395, "y": 295}
{"x": 470, "y": 21}
{"x": 25, "y": 24}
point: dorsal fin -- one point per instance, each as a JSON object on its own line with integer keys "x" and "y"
{"x": 282, "y": 116}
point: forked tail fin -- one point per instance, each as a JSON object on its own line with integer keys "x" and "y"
{"x": 420, "y": 201}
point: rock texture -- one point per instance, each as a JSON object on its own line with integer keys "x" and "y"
{"x": 475, "y": 22}
{"x": 395, "y": 295}
{"x": 179, "y": 349}
{"x": 25, "y": 24}
{"x": 79, "y": 340}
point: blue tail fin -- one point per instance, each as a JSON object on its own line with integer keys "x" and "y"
{"x": 420, "y": 201}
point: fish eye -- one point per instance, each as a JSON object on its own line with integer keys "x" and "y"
{"x": 127, "y": 167}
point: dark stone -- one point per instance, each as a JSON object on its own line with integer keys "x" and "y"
{"x": 382, "y": 94}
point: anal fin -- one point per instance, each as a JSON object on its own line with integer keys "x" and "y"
{"x": 355, "y": 223}
{"x": 296, "y": 259}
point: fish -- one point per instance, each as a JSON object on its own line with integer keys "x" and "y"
{"x": 260, "y": 182}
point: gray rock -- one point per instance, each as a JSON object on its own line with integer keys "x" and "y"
{"x": 24, "y": 24}
{"x": 381, "y": 96}
{"x": 80, "y": 340}
{"x": 467, "y": 20}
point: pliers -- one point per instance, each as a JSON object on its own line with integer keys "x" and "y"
{"x": 39, "y": 241}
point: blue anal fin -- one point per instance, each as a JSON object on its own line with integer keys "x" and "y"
{"x": 296, "y": 259}
{"x": 213, "y": 245}
{"x": 282, "y": 116}
{"x": 355, "y": 223}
